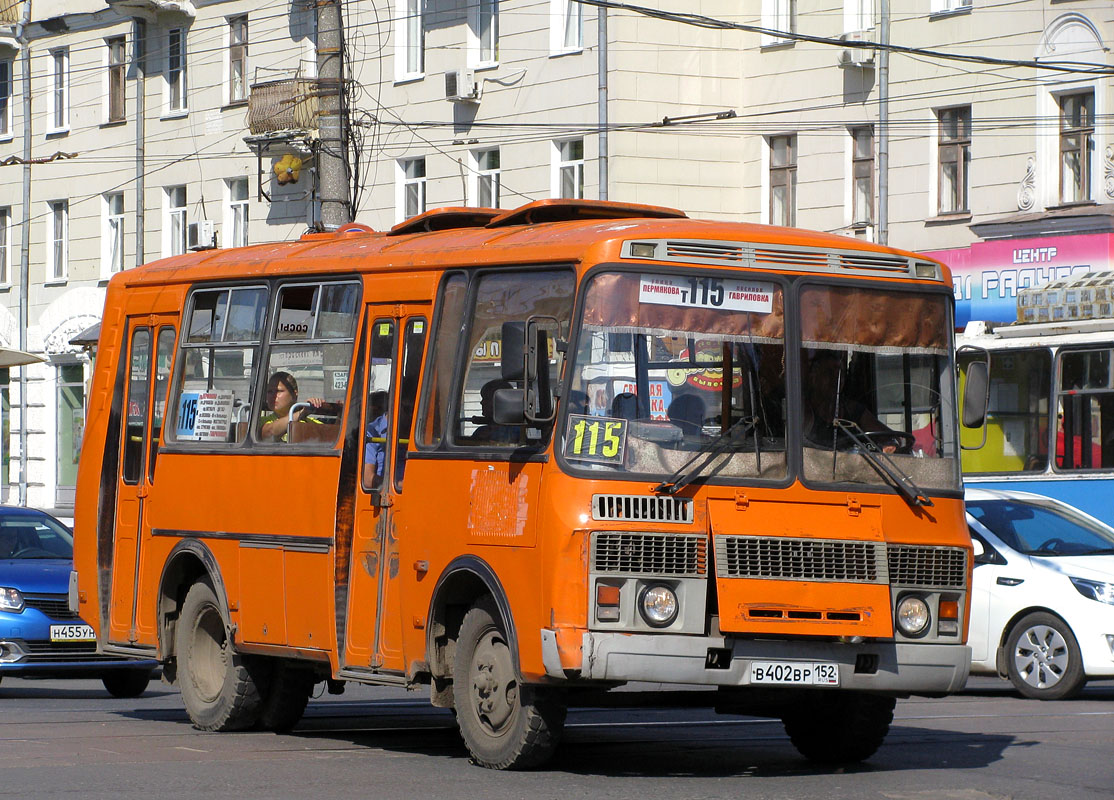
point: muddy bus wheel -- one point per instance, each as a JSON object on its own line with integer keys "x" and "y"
{"x": 504, "y": 723}
{"x": 218, "y": 688}
{"x": 839, "y": 727}
{"x": 285, "y": 697}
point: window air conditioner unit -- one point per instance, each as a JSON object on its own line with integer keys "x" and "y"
{"x": 199, "y": 235}
{"x": 461, "y": 86}
{"x": 856, "y": 56}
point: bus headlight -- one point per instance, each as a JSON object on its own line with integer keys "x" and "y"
{"x": 658, "y": 605}
{"x": 912, "y": 615}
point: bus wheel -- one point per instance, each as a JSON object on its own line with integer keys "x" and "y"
{"x": 127, "y": 682}
{"x": 504, "y": 723}
{"x": 286, "y": 696}
{"x": 1043, "y": 659}
{"x": 839, "y": 727}
{"x": 218, "y": 686}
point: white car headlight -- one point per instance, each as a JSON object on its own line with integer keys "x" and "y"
{"x": 1094, "y": 590}
{"x": 10, "y": 599}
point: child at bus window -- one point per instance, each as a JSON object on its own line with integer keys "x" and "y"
{"x": 281, "y": 395}
{"x": 375, "y": 440}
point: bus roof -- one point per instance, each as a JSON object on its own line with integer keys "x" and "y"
{"x": 554, "y": 231}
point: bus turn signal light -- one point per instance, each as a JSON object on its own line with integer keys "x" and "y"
{"x": 607, "y": 603}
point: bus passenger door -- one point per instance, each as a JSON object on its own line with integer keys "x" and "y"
{"x": 150, "y": 349}
{"x": 395, "y": 347}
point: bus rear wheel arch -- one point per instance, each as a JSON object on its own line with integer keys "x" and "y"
{"x": 219, "y": 686}
{"x": 505, "y": 723}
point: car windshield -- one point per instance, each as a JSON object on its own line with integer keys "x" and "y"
{"x": 675, "y": 367}
{"x": 1045, "y": 530}
{"x": 27, "y": 537}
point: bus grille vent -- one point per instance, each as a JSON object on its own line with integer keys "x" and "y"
{"x": 934, "y": 567}
{"x": 679, "y": 555}
{"x": 779, "y": 558}
{"x": 715, "y": 251}
{"x": 873, "y": 262}
{"x": 856, "y": 262}
{"x": 639, "y": 508}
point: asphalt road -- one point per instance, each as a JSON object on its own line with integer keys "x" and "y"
{"x": 70, "y": 739}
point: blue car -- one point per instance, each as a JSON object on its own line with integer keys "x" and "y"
{"x": 39, "y": 636}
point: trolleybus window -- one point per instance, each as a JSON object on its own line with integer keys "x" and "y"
{"x": 875, "y": 367}
{"x": 1085, "y": 429}
{"x": 669, "y": 366}
{"x": 211, "y": 402}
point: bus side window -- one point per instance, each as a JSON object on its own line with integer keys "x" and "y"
{"x": 380, "y": 382}
{"x": 164, "y": 352}
{"x": 437, "y": 393}
{"x": 136, "y": 411}
{"x": 413, "y": 346}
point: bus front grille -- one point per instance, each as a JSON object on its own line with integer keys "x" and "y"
{"x": 641, "y": 508}
{"x": 662, "y": 554}
{"x": 929, "y": 567}
{"x": 780, "y": 558}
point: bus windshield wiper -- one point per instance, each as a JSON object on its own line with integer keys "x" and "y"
{"x": 912, "y": 493}
{"x": 684, "y": 475}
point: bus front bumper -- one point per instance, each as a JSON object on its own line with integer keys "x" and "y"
{"x": 894, "y": 667}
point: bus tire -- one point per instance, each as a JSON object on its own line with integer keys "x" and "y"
{"x": 839, "y": 727}
{"x": 505, "y": 724}
{"x": 218, "y": 684}
{"x": 1043, "y": 661}
{"x": 285, "y": 697}
{"x": 127, "y": 682}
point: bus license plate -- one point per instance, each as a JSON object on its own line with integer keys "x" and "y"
{"x": 795, "y": 673}
{"x": 71, "y": 633}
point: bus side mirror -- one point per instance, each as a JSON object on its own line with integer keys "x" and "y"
{"x": 976, "y": 394}
{"x": 507, "y": 407}
{"x": 513, "y": 361}
{"x": 541, "y": 348}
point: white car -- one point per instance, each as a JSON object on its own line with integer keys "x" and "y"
{"x": 1042, "y": 600}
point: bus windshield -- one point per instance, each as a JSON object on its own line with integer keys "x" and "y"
{"x": 875, "y": 378}
{"x": 648, "y": 390}
{"x": 676, "y": 370}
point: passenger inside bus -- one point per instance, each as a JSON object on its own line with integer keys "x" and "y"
{"x": 687, "y": 413}
{"x": 489, "y": 432}
{"x": 281, "y": 395}
{"x": 375, "y": 440}
{"x": 825, "y": 396}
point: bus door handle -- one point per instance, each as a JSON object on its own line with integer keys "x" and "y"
{"x": 381, "y": 499}
{"x": 141, "y": 490}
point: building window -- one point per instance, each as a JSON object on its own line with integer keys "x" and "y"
{"x": 59, "y": 89}
{"x": 57, "y": 239}
{"x": 113, "y": 232}
{"x": 410, "y": 52}
{"x": 948, "y": 6}
{"x": 780, "y": 17}
{"x": 569, "y": 178}
{"x": 412, "y": 184}
{"x": 858, "y": 15}
{"x": 176, "y": 69}
{"x": 237, "y": 220}
{"x": 71, "y": 427}
{"x": 862, "y": 176}
{"x": 955, "y": 156}
{"x": 237, "y": 59}
{"x": 5, "y": 245}
{"x": 783, "y": 180}
{"x": 566, "y": 26}
{"x": 5, "y": 98}
{"x": 175, "y": 220}
{"x": 486, "y": 194}
{"x": 483, "y": 32}
{"x": 117, "y": 72}
{"x": 1077, "y": 140}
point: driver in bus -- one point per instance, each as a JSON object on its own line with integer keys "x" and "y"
{"x": 281, "y": 395}
{"x": 824, "y": 387}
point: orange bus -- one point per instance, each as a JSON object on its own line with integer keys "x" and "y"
{"x": 525, "y": 456}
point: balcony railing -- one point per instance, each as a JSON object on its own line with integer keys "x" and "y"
{"x": 281, "y": 105}
{"x": 11, "y": 11}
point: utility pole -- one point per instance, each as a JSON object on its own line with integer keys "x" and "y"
{"x": 601, "y": 27}
{"x": 139, "y": 55}
{"x": 884, "y": 125}
{"x": 24, "y": 245}
{"x": 334, "y": 181}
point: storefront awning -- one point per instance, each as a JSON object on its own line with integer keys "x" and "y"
{"x": 88, "y": 337}
{"x": 10, "y": 357}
